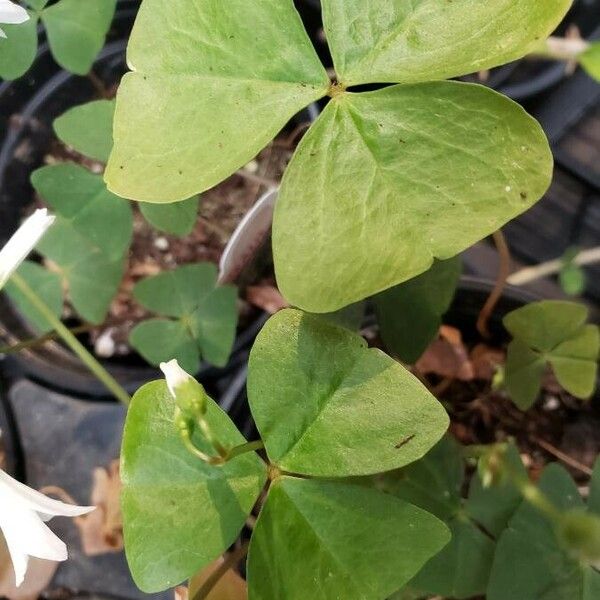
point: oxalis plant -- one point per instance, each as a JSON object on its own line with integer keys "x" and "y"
{"x": 327, "y": 408}
{"x": 385, "y": 180}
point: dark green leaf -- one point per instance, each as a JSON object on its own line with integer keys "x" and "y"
{"x": 18, "y": 48}
{"x": 327, "y": 405}
{"x": 179, "y": 513}
{"x": 88, "y": 128}
{"x": 177, "y": 219}
{"x": 318, "y": 539}
{"x": 47, "y": 286}
{"x": 410, "y": 314}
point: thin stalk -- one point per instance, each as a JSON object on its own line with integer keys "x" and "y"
{"x": 561, "y": 48}
{"x": 243, "y": 448}
{"x": 39, "y": 341}
{"x": 229, "y": 561}
{"x": 503, "y": 273}
{"x": 529, "y": 274}
{"x": 71, "y": 341}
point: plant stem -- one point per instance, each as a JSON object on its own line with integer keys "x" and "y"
{"x": 562, "y": 48}
{"x": 503, "y": 273}
{"x": 71, "y": 341}
{"x": 243, "y": 448}
{"x": 529, "y": 274}
{"x": 229, "y": 561}
{"x": 39, "y": 341}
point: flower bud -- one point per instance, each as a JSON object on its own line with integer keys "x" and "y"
{"x": 187, "y": 392}
{"x": 579, "y": 532}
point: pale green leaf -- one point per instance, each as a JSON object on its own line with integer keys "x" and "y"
{"x": 434, "y": 168}
{"x": 318, "y": 539}
{"x": 88, "y": 128}
{"x": 76, "y": 31}
{"x": 160, "y": 340}
{"x": 92, "y": 278}
{"x": 590, "y": 60}
{"x": 209, "y": 89}
{"x": 18, "y": 48}
{"x": 47, "y": 286}
{"x": 177, "y": 219}
{"x": 179, "y": 513}
{"x": 327, "y": 405}
{"x": 409, "y": 315}
{"x": 81, "y": 198}
{"x": 407, "y": 41}
{"x": 530, "y": 564}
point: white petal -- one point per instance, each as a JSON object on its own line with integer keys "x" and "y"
{"x": 35, "y": 501}
{"x": 174, "y": 375}
{"x": 19, "y": 562}
{"x": 12, "y": 13}
{"x": 23, "y": 242}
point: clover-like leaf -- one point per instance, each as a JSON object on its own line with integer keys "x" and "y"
{"x": 209, "y": 89}
{"x": 81, "y": 198}
{"x": 409, "y": 315}
{"x": 401, "y": 41}
{"x": 88, "y": 128}
{"x": 18, "y": 48}
{"x": 435, "y": 484}
{"x": 551, "y": 332}
{"x": 386, "y": 181}
{"x": 177, "y": 219}
{"x": 320, "y": 539}
{"x": 76, "y": 31}
{"x": 47, "y": 286}
{"x": 91, "y": 277}
{"x": 327, "y": 405}
{"x": 590, "y": 60}
{"x": 179, "y": 513}
{"x": 205, "y": 313}
{"x": 530, "y": 563}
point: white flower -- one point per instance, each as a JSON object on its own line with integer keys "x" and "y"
{"x": 23, "y": 241}
{"x": 22, "y": 515}
{"x": 175, "y": 375}
{"x": 12, "y": 14}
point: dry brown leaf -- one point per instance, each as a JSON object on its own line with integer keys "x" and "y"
{"x": 485, "y": 361}
{"x": 447, "y": 357}
{"x": 38, "y": 576}
{"x": 230, "y": 587}
{"x": 101, "y": 531}
{"x": 266, "y": 297}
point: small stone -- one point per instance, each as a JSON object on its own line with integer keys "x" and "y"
{"x": 252, "y": 166}
{"x": 552, "y": 403}
{"x": 161, "y": 243}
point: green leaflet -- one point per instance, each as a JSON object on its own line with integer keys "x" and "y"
{"x": 402, "y": 41}
{"x": 88, "y": 128}
{"x": 209, "y": 89}
{"x": 590, "y": 60}
{"x": 177, "y": 219}
{"x": 179, "y": 513}
{"x": 47, "y": 285}
{"x": 435, "y": 167}
{"x": 530, "y": 563}
{"x": 319, "y": 539}
{"x": 353, "y": 411}
{"x": 76, "y": 31}
{"x": 409, "y": 315}
{"x": 462, "y": 568}
{"x": 206, "y": 317}
{"x": 551, "y": 332}
{"x": 81, "y": 198}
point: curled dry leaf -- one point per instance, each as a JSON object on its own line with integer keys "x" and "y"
{"x": 102, "y": 530}
{"x": 38, "y": 576}
{"x": 229, "y": 587}
{"x": 267, "y": 297}
{"x": 447, "y": 357}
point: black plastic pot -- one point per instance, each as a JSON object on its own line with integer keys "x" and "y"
{"x": 10, "y": 443}
{"x": 28, "y": 107}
